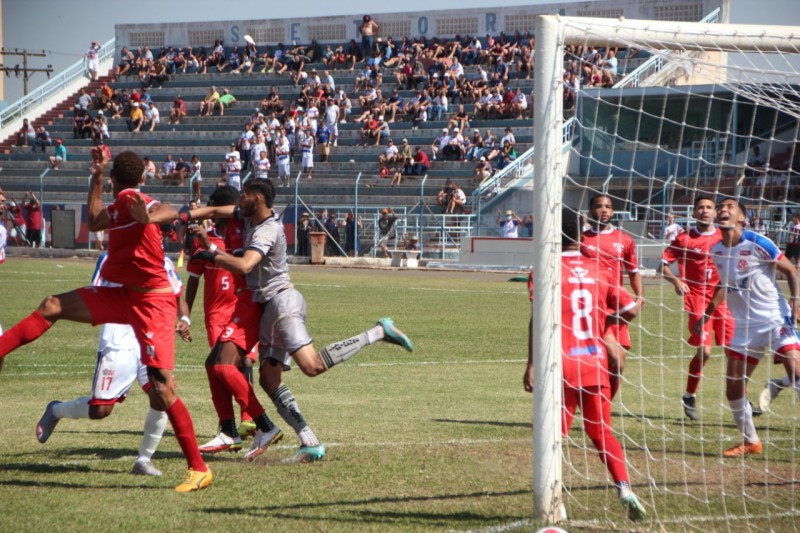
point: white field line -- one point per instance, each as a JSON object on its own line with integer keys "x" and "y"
{"x": 688, "y": 520}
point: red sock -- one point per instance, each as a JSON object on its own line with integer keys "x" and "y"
{"x": 240, "y": 388}
{"x": 26, "y": 330}
{"x": 182, "y": 425}
{"x": 695, "y": 374}
{"x": 220, "y": 396}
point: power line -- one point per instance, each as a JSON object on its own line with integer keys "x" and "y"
{"x": 26, "y": 71}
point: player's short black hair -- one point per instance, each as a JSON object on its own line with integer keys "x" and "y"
{"x": 262, "y": 187}
{"x": 128, "y": 169}
{"x": 570, "y": 226}
{"x": 596, "y": 197}
{"x": 701, "y": 197}
{"x": 224, "y": 195}
{"x": 742, "y": 207}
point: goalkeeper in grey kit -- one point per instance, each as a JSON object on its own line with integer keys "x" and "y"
{"x": 282, "y": 335}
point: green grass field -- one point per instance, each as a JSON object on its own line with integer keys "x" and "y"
{"x": 435, "y": 440}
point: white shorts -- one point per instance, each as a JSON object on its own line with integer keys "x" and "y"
{"x": 334, "y": 129}
{"x": 235, "y": 182}
{"x": 751, "y": 340}
{"x": 115, "y": 373}
{"x": 283, "y": 328}
{"x": 308, "y": 159}
{"x": 283, "y": 166}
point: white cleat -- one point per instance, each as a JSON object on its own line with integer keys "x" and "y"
{"x": 222, "y": 443}
{"x": 771, "y": 390}
{"x": 145, "y": 468}
{"x": 262, "y": 441}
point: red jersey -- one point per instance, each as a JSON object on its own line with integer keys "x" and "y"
{"x": 135, "y": 252}
{"x": 588, "y": 293}
{"x": 691, "y": 250}
{"x": 234, "y": 240}
{"x": 34, "y": 218}
{"x": 614, "y": 248}
{"x": 219, "y": 295}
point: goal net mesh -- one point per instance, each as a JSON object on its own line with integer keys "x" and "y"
{"x": 697, "y": 118}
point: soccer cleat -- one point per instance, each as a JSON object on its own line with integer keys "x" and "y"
{"x": 392, "y": 335}
{"x": 307, "y": 454}
{"x": 755, "y": 409}
{"x": 689, "y": 410}
{"x": 47, "y": 423}
{"x": 222, "y": 443}
{"x": 744, "y": 448}
{"x": 771, "y": 390}
{"x": 145, "y": 468}
{"x": 195, "y": 481}
{"x": 262, "y": 441}
{"x": 247, "y": 429}
{"x": 636, "y": 512}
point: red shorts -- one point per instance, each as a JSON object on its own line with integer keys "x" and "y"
{"x": 721, "y": 324}
{"x": 152, "y": 316}
{"x": 620, "y": 332}
{"x": 243, "y": 329}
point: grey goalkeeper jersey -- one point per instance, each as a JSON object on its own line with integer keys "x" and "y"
{"x": 271, "y": 275}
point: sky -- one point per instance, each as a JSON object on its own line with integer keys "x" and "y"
{"x": 64, "y": 28}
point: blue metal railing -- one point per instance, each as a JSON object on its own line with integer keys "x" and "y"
{"x": 657, "y": 61}
{"x": 53, "y": 85}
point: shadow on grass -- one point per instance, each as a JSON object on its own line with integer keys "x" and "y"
{"x": 496, "y": 423}
{"x": 59, "y": 485}
{"x": 280, "y": 511}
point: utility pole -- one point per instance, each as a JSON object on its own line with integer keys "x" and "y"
{"x": 26, "y": 72}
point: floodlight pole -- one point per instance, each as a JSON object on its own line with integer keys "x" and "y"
{"x": 546, "y": 307}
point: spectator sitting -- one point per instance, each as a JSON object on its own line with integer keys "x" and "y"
{"x": 455, "y": 206}
{"x": 100, "y": 128}
{"x": 59, "y": 156}
{"x": 475, "y": 145}
{"x": 439, "y": 143}
{"x": 136, "y": 118}
{"x": 454, "y": 148}
{"x": 419, "y": 164}
{"x": 167, "y": 168}
{"x": 152, "y": 117}
{"x": 178, "y": 110}
{"x": 390, "y": 155}
{"x": 42, "y": 139}
{"x": 460, "y": 119}
{"x": 481, "y": 172}
{"x": 149, "y": 170}
{"x": 210, "y": 101}
{"x": 443, "y": 197}
{"x": 226, "y": 100}
{"x": 26, "y": 135}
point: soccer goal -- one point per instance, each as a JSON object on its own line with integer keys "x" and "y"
{"x": 712, "y": 109}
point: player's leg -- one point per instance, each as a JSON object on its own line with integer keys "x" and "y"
{"x": 155, "y": 422}
{"x": 164, "y": 397}
{"x": 703, "y": 352}
{"x": 270, "y": 377}
{"x": 787, "y": 355}
{"x": 67, "y": 306}
{"x": 739, "y": 369}
{"x": 247, "y": 426}
{"x": 595, "y": 403}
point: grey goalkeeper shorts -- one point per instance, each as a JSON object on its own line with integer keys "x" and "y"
{"x": 283, "y": 328}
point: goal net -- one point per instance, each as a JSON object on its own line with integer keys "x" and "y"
{"x": 662, "y": 112}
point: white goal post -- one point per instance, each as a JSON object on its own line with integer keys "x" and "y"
{"x": 552, "y": 34}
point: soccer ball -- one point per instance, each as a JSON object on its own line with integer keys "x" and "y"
{"x": 551, "y": 530}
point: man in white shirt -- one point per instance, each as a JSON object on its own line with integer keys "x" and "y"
{"x": 672, "y": 229}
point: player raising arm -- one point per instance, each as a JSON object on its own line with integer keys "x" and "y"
{"x": 144, "y": 299}
{"x": 283, "y": 337}
{"x": 747, "y": 263}
{"x": 589, "y": 298}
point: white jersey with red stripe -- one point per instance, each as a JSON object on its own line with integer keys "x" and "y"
{"x": 747, "y": 273}
{"x": 121, "y": 336}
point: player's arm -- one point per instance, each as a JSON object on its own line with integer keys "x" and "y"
{"x": 238, "y": 265}
{"x": 203, "y": 213}
{"x": 786, "y": 268}
{"x": 527, "y": 378}
{"x": 637, "y": 286}
{"x": 183, "y": 326}
{"x": 192, "y": 285}
{"x": 716, "y": 300}
{"x": 681, "y": 288}
{"x": 97, "y": 217}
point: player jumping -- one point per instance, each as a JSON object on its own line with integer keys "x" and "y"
{"x": 145, "y": 299}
